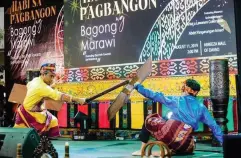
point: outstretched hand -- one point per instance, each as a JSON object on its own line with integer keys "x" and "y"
{"x": 136, "y": 84}
{"x": 81, "y": 101}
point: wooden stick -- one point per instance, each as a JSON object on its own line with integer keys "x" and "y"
{"x": 107, "y": 91}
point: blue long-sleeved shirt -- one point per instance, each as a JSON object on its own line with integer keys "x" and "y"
{"x": 186, "y": 109}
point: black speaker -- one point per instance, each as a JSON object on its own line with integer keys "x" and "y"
{"x": 10, "y": 137}
{"x": 231, "y": 146}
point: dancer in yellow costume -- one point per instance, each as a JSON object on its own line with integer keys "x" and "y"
{"x": 33, "y": 114}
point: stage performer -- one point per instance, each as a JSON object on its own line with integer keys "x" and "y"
{"x": 33, "y": 114}
{"x": 187, "y": 112}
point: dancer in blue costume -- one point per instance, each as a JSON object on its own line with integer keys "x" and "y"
{"x": 187, "y": 112}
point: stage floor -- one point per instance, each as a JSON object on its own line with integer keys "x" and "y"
{"x": 122, "y": 149}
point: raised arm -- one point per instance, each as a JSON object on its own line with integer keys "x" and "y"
{"x": 156, "y": 96}
{"x": 209, "y": 120}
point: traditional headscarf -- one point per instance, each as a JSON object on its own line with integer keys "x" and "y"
{"x": 192, "y": 86}
{"x": 47, "y": 67}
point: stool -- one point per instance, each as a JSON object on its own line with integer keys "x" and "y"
{"x": 164, "y": 150}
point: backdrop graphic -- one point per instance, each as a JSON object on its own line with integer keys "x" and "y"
{"x": 35, "y": 36}
{"x": 115, "y": 32}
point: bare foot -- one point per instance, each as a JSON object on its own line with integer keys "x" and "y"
{"x": 136, "y": 153}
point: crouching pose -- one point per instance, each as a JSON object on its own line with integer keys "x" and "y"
{"x": 187, "y": 112}
{"x": 33, "y": 114}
